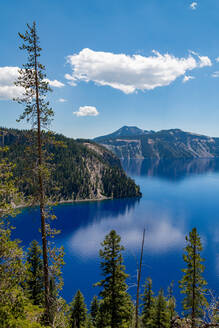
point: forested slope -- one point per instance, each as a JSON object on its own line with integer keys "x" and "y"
{"x": 81, "y": 169}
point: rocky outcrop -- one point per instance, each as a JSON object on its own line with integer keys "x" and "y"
{"x": 165, "y": 144}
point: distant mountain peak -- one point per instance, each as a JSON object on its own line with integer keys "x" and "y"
{"x": 124, "y": 131}
{"x": 129, "y": 130}
{"x": 132, "y": 142}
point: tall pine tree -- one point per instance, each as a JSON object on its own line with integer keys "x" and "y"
{"x": 78, "y": 311}
{"x": 192, "y": 283}
{"x": 116, "y": 304}
{"x": 171, "y": 302}
{"x": 35, "y": 273}
{"x": 32, "y": 79}
{"x": 161, "y": 315}
{"x": 147, "y": 303}
{"x": 94, "y": 308}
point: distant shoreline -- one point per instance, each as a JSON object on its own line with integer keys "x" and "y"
{"x": 68, "y": 201}
{"x": 71, "y": 201}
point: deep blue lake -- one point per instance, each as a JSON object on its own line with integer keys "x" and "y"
{"x": 177, "y": 196}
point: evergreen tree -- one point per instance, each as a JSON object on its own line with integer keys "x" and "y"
{"x": 94, "y": 308}
{"x": 116, "y": 306}
{"x": 78, "y": 311}
{"x": 171, "y": 302}
{"x": 148, "y": 303}
{"x": 103, "y": 317}
{"x": 90, "y": 322}
{"x": 32, "y": 79}
{"x": 192, "y": 283}
{"x": 35, "y": 273}
{"x": 16, "y": 311}
{"x": 9, "y": 195}
{"x": 161, "y": 315}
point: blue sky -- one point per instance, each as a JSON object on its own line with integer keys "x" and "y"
{"x": 104, "y": 50}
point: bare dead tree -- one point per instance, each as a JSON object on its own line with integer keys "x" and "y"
{"x": 138, "y": 280}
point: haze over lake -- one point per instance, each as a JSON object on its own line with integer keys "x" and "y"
{"x": 177, "y": 196}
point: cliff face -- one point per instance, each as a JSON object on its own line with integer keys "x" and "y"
{"x": 81, "y": 169}
{"x": 165, "y": 144}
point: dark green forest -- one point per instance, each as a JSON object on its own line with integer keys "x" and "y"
{"x": 80, "y": 169}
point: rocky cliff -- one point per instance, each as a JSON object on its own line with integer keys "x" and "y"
{"x": 165, "y": 144}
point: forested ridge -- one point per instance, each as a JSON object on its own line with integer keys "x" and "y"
{"x": 82, "y": 169}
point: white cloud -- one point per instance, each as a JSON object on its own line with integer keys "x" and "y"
{"x": 8, "y": 75}
{"x": 131, "y": 73}
{"x": 217, "y": 59}
{"x": 193, "y": 5}
{"x": 72, "y": 80}
{"x": 187, "y": 78}
{"x": 204, "y": 61}
{"x": 8, "y": 90}
{"x": 62, "y": 100}
{"x": 86, "y": 111}
{"x": 55, "y": 83}
{"x": 215, "y": 74}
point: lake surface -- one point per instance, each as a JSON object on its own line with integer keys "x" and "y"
{"x": 177, "y": 196}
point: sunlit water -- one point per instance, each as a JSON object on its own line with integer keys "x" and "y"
{"x": 177, "y": 196}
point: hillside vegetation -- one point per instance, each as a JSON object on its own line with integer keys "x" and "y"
{"x": 81, "y": 169}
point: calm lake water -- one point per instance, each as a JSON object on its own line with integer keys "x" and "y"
{"x": 177, "y": 196}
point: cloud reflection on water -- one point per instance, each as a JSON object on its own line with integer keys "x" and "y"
{"x": 162, "y": 232}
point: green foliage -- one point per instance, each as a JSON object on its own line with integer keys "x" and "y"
{"x": 16, "y": 310}
{"x": 192, "y": 283}
{"x": 32, "y": 78}
{"x": 59, "y": 310}
{"x": 71, "y": 167}
{"x": 34, "y": 283}
{"x": 171, "y": 302}
{"x": 161, "y": 314}
{"x": 9, "y": 195}
{"x": 94, "y": 309}
{"x": 116, "y": 306}
{"x": 148, "y": 303}
{"x": 78, "y": 311}
{"x": 56, "y": 263}
{"x": 90, "y": 322}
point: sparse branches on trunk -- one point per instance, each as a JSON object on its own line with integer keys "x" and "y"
{"x": 138, "y": 281}
{"x": 32, "y": 79}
